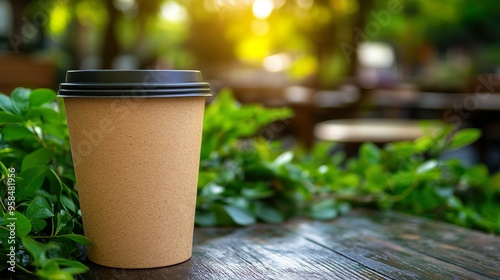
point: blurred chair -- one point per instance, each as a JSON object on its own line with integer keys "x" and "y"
{"x": 395, "y": 102}
{"x": 346, "y": 95}
{"x": 25, "y": 71}
{"x": 311, "y": 106}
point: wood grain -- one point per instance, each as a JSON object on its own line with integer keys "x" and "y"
{"x": 361, "y": 245}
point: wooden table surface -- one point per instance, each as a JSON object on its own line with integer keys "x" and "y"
{"x": 363, "y": 244}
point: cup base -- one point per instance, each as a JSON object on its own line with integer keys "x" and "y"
{"x": 130, "y": 265}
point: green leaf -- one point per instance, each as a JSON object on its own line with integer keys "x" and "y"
{"x": 7, "y": 118}
{"x": 20, "y": 99}
{"x": 425, "y": 143}
{"x": 64, "y": 222}
{"x": 51, "y": 268}
{"x": 68, "y": 203}
{"x": 349, "y": 180}
{"x": 38, "y": 225}
{"x": 77, "y": 238}
{"x": 257, "y": 191}
{"x": 402, "y": 149}
{"x": 426, "y": 166}
{"x": 32, "y": 180}
{"x": 374, "y": 175}
{"x": 494, "y": 183}
{"x": 4, "y": 236}
{"x": 23, "y": 224}
{"x": 57, "y": 274}
{"x": 41, "y": 96}
{"x": 73, "y": 267}
{"x": 370, "y": 153}
{"x": 284, "y": 158}
{"x": 55, "y": 183}
{"x": 322, "y": 150}
{"x": 205, "y": 218}
{"x": 14, "y": 154}
{"x": 36, "y": 250}
{"x": 6, "y": 104}
{"x": 4, "y": 170}
{"x": 464, "y": 137}
{"x": 10, "y": 133}
{"x": 48, "y": 115}
{"x": 269, "y": 214}
{"x": 239, "y": 216}
{"x": 39, "y": 208}
{"x": 40, "y": 157}
{"x": 324, "y": 210}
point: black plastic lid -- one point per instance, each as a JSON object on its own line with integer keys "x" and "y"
{"x": 133, "y": 83}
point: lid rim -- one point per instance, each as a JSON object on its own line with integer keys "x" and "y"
{"x": 127, "y": 83}
{"x": 88, "y": 85}
{"x": 134, "y": 96}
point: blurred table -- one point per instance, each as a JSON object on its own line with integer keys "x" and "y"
{"x": 372, "y": 130}
{"x": 363, "y": 244}
{"x": 435, "y": 104}
{"x": 474, "y": 109}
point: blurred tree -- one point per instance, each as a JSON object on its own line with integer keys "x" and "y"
{"x": 442, "y": 25}
{"x": 110, "y": 47}
{"x": 306, "y": 35}
{"x": 209, "y": 37}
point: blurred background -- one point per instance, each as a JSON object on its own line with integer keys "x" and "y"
{"x": 367, "y": 60}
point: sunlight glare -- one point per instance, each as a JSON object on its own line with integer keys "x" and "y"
{"x": 173, "y": 12}
{"x": 377, "y": 55}
{"x": 262, "y": 8}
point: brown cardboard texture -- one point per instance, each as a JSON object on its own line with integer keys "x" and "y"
{"x": 136, "y": 165}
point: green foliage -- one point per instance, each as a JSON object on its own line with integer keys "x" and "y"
{"x": 411, "y": 177}
{"x": 243, "y": 178}
{"x": 35, "y": 153}
{"x": 227, "y": 122}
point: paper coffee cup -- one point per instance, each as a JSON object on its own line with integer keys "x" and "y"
{"x": 135, "y": 140}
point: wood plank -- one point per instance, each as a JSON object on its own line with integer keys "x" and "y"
{"x": 356, "y": 238}
{"x": 466, "y": 248}
{"x": 256, "y": 252}
{"x": 487, "y": 245}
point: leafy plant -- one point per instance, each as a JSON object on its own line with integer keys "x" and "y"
{"x": 34, "y": 146}
{"x": 243, "y": 178}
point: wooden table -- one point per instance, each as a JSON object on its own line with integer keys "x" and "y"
{"x": 373, "y": 130}
{"x": 363, "y": 244}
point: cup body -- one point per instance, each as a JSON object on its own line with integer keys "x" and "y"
{"x": 136, "y": 163}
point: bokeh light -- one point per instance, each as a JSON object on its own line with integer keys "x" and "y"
{"x": 174, "y": 12}
{"x": 262, "y": 9}
{"x": 59, "y": 20}
{"x": 375, "y": 54}
{"x": 277, "y": 62}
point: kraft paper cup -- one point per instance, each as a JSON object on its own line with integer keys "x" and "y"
{"x": 135, "y": 140}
